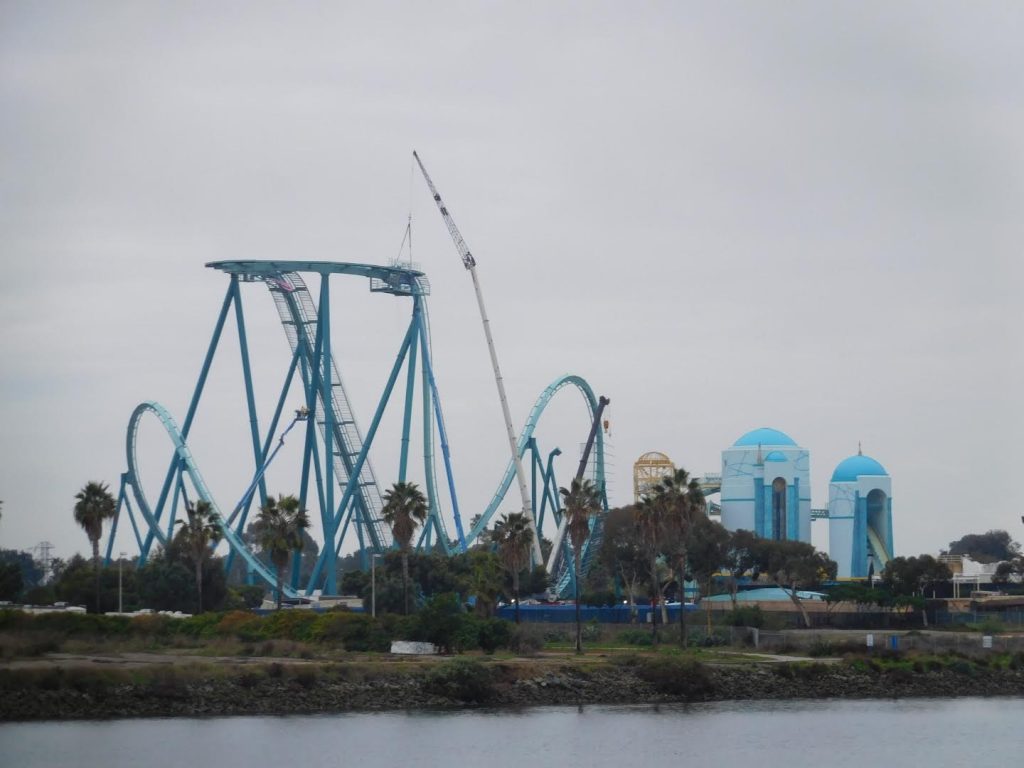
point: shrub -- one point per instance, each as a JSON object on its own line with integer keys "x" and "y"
{"x": 526, "y": 640}
{"x": 556, "y": 636}
{"x": 153, "y": 625}
{"x": 821, "y": 648}
{"x": 700, "y": 639}
{"x": 635, "y": 637}
{"x": 745, "y": 616}
{"x": 493, "y": 634}
{"x": 241, "y": 624}
{"x": 201, "y": 625}
{"x": 289, "y": 625}
{"x": 30, "y": 643}
{"x": 354, "y": 631}
{"x": 462, "y": 680}
{"x": 591, "y": 631}
{"x": 676, "y": 676}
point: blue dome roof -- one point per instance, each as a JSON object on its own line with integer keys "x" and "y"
{"x": 775, "y": 456}
{"x": 765, "y": 436}
{"x": 857, "y": 466}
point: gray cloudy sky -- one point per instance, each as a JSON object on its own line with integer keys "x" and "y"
{"x": 723, "y": 215}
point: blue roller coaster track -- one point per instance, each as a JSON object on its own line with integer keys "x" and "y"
{"x": 335, "y": 451}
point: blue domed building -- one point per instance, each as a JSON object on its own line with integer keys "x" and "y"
{"x": 766, "y": 486}
{"x": 860, "y": 516}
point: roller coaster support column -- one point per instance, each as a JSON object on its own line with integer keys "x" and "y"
{"x": 428, "y": 368}
{"x": 230, "y": 296}
{"x": 328, "y": 557}
{"x": 250, "y": 397}
{"x": 323, "y": 323}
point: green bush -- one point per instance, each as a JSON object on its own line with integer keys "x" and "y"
{"x": 289, "y": 624}
{"x": 461, "y": 680}
{"x": 677, "y": 676}
{"x": 201, "y": 625}
{"x": 493, "y": 634}
{"x": 356, "y": 632}
{"x": 635, "y": 637}
{"x": 701, "y": 640}
{"x": 443, "y": 623}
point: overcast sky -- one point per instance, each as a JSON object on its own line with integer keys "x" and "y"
{"x": 723, "y": 215}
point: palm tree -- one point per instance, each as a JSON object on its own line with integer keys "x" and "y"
{"x": 198, "y": 533}
{"x": 405, "y": 508}
{"x": 514, "y": 538}
{"x": 682, "y": 501}
{"x": 278, "y": 529}
{"x": 93, "y": 505}
{"x": 649, "y": 518}
{"x": 582, "y": 500}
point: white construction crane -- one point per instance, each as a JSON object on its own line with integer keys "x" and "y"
{"x": 470, "y": 263}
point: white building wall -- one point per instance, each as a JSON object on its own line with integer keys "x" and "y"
{"x": 739, "y": 472}
{"x": 841, "y": 510}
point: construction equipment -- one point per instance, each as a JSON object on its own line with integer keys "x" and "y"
{"x": 470, "y": 263}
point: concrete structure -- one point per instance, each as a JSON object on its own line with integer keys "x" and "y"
{"x": 860, "y": 517}
{"x": 766, "y": 486}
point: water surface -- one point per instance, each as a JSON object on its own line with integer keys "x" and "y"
{"x": 911, "y": 732}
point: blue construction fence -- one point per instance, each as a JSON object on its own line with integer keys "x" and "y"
{"x": 566, "y": 614}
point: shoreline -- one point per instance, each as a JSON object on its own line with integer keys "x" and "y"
{"x": 274, "y": 689}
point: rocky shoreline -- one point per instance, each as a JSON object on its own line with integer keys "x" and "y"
{"x": 314, "y": 689}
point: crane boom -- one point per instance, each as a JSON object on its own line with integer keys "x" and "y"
{"x": 460, "y": 243}
{"x": 470, "y": 263}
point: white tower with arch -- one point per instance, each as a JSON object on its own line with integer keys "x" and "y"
{"x": 766, "y": 486}
{"x": 860, "y": 517}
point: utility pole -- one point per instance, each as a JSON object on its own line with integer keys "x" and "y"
{"x": 470, "y": 264}
{"x": 120, "y": 591}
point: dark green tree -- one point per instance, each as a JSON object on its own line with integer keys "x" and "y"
{"x": 682, "y": 503}
{"x": 514, "y": 537}
{"x": 94, "y": 505}
{"x": 405, "y": 509}
{"x": 649, "y": 519}
{"x": 581, "y": 502}
{"x": 707, "y": 550}
{"x": 279, "y": 528}
{"x": 991, "y": 547}
{"x": 622, "y": 552}
{"x": 199, "y": 532}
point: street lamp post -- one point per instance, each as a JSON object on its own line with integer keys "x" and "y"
{"x": 120, "y": 591}
{"x": 373, "y": 585}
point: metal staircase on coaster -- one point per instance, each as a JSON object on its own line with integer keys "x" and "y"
{"x": 298, "y": 315}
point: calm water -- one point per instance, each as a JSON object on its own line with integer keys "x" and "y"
{"x": 979, "y": 732}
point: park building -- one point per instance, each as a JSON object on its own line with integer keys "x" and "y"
{"x": 766, "y": 486}
{"x": 860, "y": 517}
